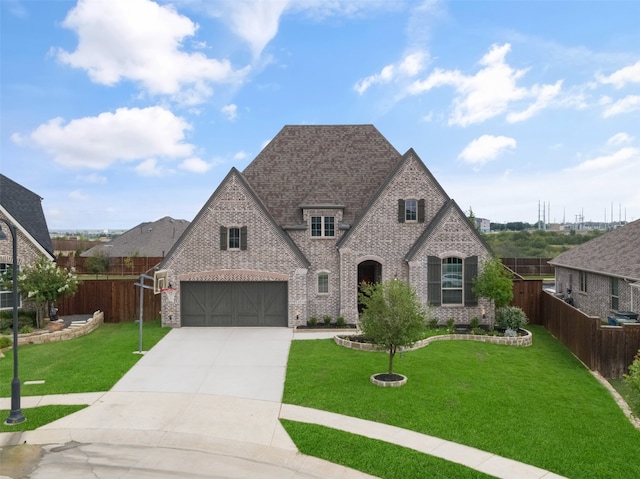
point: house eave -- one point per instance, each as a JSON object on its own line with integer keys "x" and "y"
{"x": 594, "y": 271}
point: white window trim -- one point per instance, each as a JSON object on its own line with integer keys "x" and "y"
{"x": 407, "y": 220}
{"x": 461, "y": 288}
{"x": 322, "y": 226}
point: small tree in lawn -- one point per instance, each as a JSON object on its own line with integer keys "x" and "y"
{"x": 392, "y": 316}
{"x": 44, "y": 283}
{"x": 494, "y": 283}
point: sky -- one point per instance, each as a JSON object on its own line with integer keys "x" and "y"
{"x": 118, "y": 112}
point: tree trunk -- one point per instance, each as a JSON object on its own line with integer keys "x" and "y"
{"x": 392, "y": 353}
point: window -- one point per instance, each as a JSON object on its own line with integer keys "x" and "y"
{"x": 323, "y": 283}
{"x": 233, "y": 239}
{"x": 582, "y": 278}
{"x": 6, "y": 295}
{"x": 410, "y": 211}
{"x": 322, "y": 226}
{"x": 452, "y": 281}
{"x": 614, "y": 294}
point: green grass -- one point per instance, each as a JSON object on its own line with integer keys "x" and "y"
{"x": 91, "y": 363}
{"x": 378, "y": 458}
{"x": 537, "y": 405}
{"x": 37, "y": 416}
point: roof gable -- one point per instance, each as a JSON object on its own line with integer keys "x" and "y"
{"x": 25, "y": 207}
{"x": 616, "y": 253}
{"x": 322, "y": 164}
{"x": 235, "y": 175}
{"x": 450, "y": 207}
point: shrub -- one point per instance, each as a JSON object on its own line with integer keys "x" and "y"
{"x": 474, "y": 323}
{"x": 432, "y": 323}
{"x": 340, "y": 322}
{"x": 451, "y": 324}
{"x": 327, "y": 320}
{"x": 5, "y": 342}
{"x": 510, "y": 317}
{"x": 313, "y": 321}
{"x": 633, "y": 378}
{"x": 26, "y": 329}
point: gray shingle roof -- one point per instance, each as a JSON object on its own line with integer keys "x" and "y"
{"x": 26, "y": 208}
{"x": 321, "y": 165}
{"x": 616, "y": 253}
{"x": 147, "y": 239}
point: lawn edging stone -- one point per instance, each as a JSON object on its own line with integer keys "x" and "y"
{"x": 520, "y": 341}
{"x": 77, "y": 330}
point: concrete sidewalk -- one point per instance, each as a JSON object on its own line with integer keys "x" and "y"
{"x": 207, "y": 403}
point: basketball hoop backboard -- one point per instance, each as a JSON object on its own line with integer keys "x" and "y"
{"x": 160, "y": 281}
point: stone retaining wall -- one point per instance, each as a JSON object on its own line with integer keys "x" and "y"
{"x": 74, "y": 331}
{"x": 521, "y": 341}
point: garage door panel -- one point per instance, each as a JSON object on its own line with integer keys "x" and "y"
{"x": 234, "y": 304}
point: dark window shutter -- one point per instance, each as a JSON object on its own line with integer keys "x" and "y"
{"x": 243, "y": 238}
{"x": 434, "y": 280}
{"x": 470, "y": 274}
{"x": 401, "y": 211}
{"x": 223, "y": 238}
{"x": 421, "y": 211}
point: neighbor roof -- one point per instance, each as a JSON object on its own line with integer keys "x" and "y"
{"x": 616, "y": 253}
{"x": 321, "y": 165}
{"x": 153, "y": 239}
{"x": 25, "y": 207}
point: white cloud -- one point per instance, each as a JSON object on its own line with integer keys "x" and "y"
{"x": 149, "y": 167}
{"x": 490, "y": 92}
{"x": 241, "y": 155}
{"x": 608, "y": 162}
{"x": 195, "y": 165}
{"x": 628, "y": 104}
{"x": 619, "y": 78}
{"x": 486, "y": 148}
{"x": 99, "y": 141}
{"x": 544, "y": 94}
{"x": 93, "y": 178}
{"x": 141, "y": 41}
{"x": 256, "y": 22}
{"x": 407, "y": 67}
{"x": 620, "y": 139}
{"x": 230, "y": 111}
{"x": 78, "y": 195}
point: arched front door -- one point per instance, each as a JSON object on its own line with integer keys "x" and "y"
{"x": 369, "y": 271}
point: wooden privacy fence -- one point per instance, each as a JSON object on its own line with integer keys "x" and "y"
{"x": 526, "y": 295}
{"x": 606, "y": 349}
{"x": 118, "y": 266}
{"x": 119, "y": 299}
{"x": 529, "y": 266}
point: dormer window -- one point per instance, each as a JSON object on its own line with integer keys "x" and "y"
{"x": 322, "y": 226}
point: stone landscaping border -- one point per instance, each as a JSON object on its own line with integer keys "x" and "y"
{"x": 520, "y": 341}
{"x": 75, "y": 330}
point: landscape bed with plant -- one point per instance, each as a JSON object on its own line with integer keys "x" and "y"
{"x": 537, "y": 405}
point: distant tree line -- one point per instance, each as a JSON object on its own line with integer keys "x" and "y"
{"x": 536, "y": 243}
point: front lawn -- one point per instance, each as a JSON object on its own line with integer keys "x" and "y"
{"x": 537, "y": 405}
{"x": 37, "y": 416}
{"x": 91, "y": 363}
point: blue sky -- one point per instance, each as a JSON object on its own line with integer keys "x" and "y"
{"x": 123, "y": 111}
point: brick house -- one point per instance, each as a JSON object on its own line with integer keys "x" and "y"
{"x": 602, "y": 276}
{"x": 22, "y": 208}
{"x": 318, "y": 211}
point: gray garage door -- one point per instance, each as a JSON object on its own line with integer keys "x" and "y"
{"x": 234, "y": 303}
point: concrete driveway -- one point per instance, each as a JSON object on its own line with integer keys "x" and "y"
{"x": 204, "y": 402}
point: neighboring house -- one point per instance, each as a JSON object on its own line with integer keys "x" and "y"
{"x": 22, "y": 208}
{"x": 320, "y": 210}
{"x": 152, "y": 239}
{"x": 602, "y": 276}
{"x": 483, "y": 224}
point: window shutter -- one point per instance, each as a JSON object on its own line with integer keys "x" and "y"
{"x": 421, "y": 211}
{"x": 243, "y": 238}
{"x": 434, "y": 280}
{"x": 223, "y": 238}
{"x": 470, "y": 274}
{"x": 401, "y": 211}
